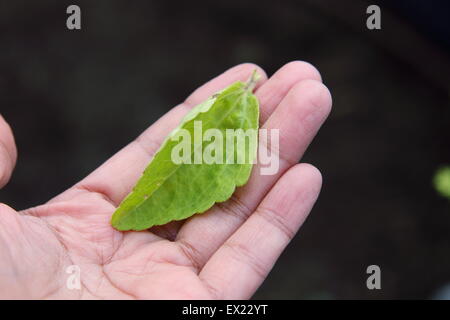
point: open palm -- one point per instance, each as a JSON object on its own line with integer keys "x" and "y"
{"x": 224, "y": 253}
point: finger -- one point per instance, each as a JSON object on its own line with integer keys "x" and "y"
{"x": 275, "y": 89}
{"x": 299, "y": 116}
{"x": 269, "y": 94}
{"x": 239, "y": 267}
{"x": 116, "y": 177}
{"x": 8, "y": 152}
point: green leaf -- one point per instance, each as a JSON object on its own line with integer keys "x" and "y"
{"x": 441, "y": 181}
{"x": 169, "y": 190}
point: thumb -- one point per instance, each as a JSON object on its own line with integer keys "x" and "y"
{"x": 8, "y": 152}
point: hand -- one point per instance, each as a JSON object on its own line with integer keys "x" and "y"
{"x": 225, "y": 253}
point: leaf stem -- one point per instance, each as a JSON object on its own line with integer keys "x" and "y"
{"x": 252, "y": 81}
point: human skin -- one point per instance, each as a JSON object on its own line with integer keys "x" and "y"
{"x": 224, "y": 253}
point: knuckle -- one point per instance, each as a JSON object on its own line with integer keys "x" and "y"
{"x": 241, "y": 253}
{"x": 191, "y": 253}
{"x": 276, "y": 220}
{"x": 235, "y": 208}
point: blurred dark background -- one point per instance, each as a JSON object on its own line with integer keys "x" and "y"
{"x": 74, "y": 98}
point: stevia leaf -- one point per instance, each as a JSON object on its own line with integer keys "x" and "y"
{"x": 169, "y": 190}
